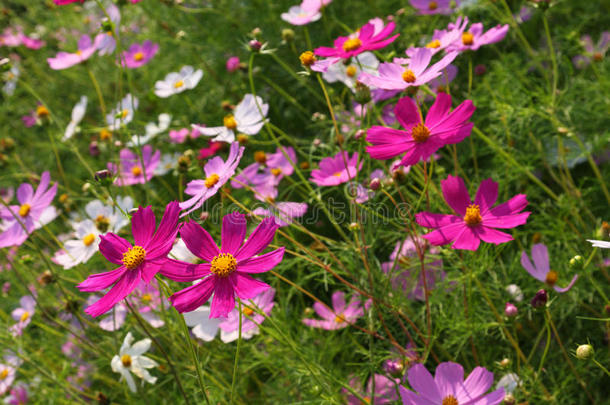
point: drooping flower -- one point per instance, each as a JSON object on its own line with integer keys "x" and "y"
{"x": 336, "y": 170}
{"x": 247, "y": 118}
{"x": 385, "y": 391}
{"x": 34, "y": 211}
{"x": 229, "y": 328}
{"x": 131, "y": 360}
{"x": 432, "y": 6}
{"x": 226, "y": 271}
{"x": 177, "y": 82}
{"x": 541, "y": 269}
{"x": 475, "y": 221}
{"x": 448, "y": 386}
{"x": 152, "y": 130}
{"x": 81, "y": 249}
{"x": 137, "y": 262}
{"x": 393, "y": 76}
{"x": 282, "y": 212}
{"x": 348, "y": 74}
{"x": 133, "y": 170}
{"x": 473, "y": 38}
{"x": 78, "y": 112}
{"x": 341, "y": 315}
{"x": 64, "y": 60}
{"x": 123, "y": 113}
{"x": 421, "y": 139}
{"x": 139, "y": 54}
{"x": 593, "y": 52}
{"x": 23, "y": 315}
{"x": 217, "y": 172}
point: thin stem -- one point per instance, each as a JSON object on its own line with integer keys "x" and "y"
{"x": 236, "y": 353}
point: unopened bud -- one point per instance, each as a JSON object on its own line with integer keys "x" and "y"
{"x": 255, "y": 45}
{"x": 102, "y": 174}
{"x": 540, "y": 299}
{"x": 576, "y": 262}
{"x": 94, "y": 149}
{"x": 509, "y": 399}
{"x": 307, "y": 58}
{"x": 359, "y": 134}
{"x": 583, "y": 352}
{"x": 375, "y": 184}
{"x": 354, "y": 226}
{"x": 510, "y": 310}
{"x": 287, "y": 34}
{"x": 480, "y": 70}
{"x": 363, "y": 93}
{"x": 505, "y": 362}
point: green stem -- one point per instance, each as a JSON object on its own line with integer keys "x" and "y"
{"x": 236, "y": 353}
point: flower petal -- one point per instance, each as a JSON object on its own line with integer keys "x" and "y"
{"x": 567, "y": 288}
{"x": 143, "y": 225}
{"x": 191, "y": 298}
{"x": 260, "y": 264}
{"x": 449, "y": 377}
{"x": 113, "y": 246}
{"x": 258, "y": 239}
{"x": 199, "y": 241}
{"x": 487, "y": 195}
{"x": 455, "y": 193}
{"x": 421, "y": 380}
{"x": 224, "y": 298}
{"x": 100, "y": 281}
{"x": 233, "y": 232}
{"x": 184, "y": 272}
{"x": 121, "y": 289}
{"x": 247, "y": 287}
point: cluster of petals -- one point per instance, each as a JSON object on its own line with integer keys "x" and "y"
{"x": 64, "y": 60}
{"x": 177, "y": 82}
{"x": 474, "y": 37}
{"x": 593, "y": 52}
{"x": 133, "y": 170}
{"x": 341, "y": 315}
{"x": 432, "y": 6}
{"x": 476, "y": 221}
{"x": 540, "y": 269}
{"x": 139, "y": 54}
{"x": 306, "y": 12}
{"x": 337, "y": 169}
{"x": 13, "y": 37}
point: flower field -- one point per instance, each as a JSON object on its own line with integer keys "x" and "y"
{"x": 325, "y": 202}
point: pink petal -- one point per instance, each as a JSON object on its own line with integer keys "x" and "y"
{"x": 477, "y": 383}
{"x": 247, "y": 287}
{"x": 407, "y": 113}
{"x": 338, "y": 299}
{"x": 113, "y": 246}
{"x": 149, "y": 269}
{"x": 491, "y": 235}
{"x": 258, "y": 239}
{"x": 323, "y": 311}
{"x": 421, "y": 380}
{"x": 566, "y": 288}
{"x": 512, "y": 206}
{"x": 529, "y": 267}
{"x": 199, "y": 241}
{"x": 191, "y": 298}
{"x": 143, "y": 225}
{"x": 449, "y": 377}
{"x": 506, "y": 221}
{"x": 439, "y": 109}
{"x": 430, "y": 220}
{"x": 487, "y": 194}
{"x": 224, "y": 298}
{"x": 260, "y": 264}
{"x": 24, "y": 193}
{"x": 184, "y": 272}
{"x": 445, "y": 235}
{"x": 233, "y": 232}
{"x": 540, "y": 256}
{"x": 468, "y": 239}
{"x": 455, "y": 193}
{"x": 100, "y": 281}
{"x": 163, "y": 240}
{"x": 121, "y": 289}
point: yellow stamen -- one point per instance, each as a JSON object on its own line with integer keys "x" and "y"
{"x": 450, "y": 400}
{"x": 467, "y": 38}
{"x": 126, "y": 360}
{"x": 247, "y": 311}
{"x": 420, "y": 133}
{"x": 352, "y": 44}
{"x": 105, "y": 135}
{"x": 138, "y": 56}
{"x": 42, "y": 111}
{"x": 597, "y": 56}
{"x": 89, "y": 239}
{"x": 79, "y": 52}
{"x": 473, "y": 215}
{"x": 24, "y": 210}
{"x": 4, "y": 374}
{"x": 260, "y": 157}
{"x": 229, "y": 121}
{"x": 408, "y": 76}
{"x": 551, "y": 277}
{"x": 63, "y": 198}
{"x": 339, "y": 318}
{"x": 307, "y": 58}
{"x": 124, "y": 113}
{"x": 178, "y": 84}
{"x": 212, "y": 180}
{"x": 223, "y": 264}
{"x": 351, "y": 71}
{"x": 433, "y": 5}
{"x": 242, "y": 139}
{"x": 102, "y": 223}
{"x": 24, "y": 316}
{"x": 276, "y": 171}
{"x": 434, "y": 44}
{"x": 146, "y": 298}
{"x": 134, "y": 257}
{"x": 337, "y": 174}
{"x": 136, "y": 170}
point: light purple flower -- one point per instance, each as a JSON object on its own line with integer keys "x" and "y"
{"x": 385, "y": 391}
{"x": 432, "y": 6}
{"x": 18, "y": 395}
{"x": 250, "y": 319}
{"x": 541, "y": 269}
{"x": 7, "y": 374}
{"x": 23, "y": 314}
{"x": 301, "y": 15}
{"x": 282, "y": 212}
{"x": 139, "y": 54}
{"x": 336, "y": 170}
{"x": 132, "y": 169}
{"x": 592, "y": 52}
{"x": 474, "y": 37}
{"x": 64, "y": 60}
{"x": 267, "y": 172}
{"x": 341, "y": 314}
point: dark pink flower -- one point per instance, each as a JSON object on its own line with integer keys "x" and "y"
{"x": 341, "y": 314}
{"x": 541, "y": 269}
{"x": 132, "y": 169}
{"x": 140, "y": 261}
{"x": 336, "y": 170}
{"x": 227, "y": 271}
{"x": 139, "y": 54}
{"x": 421, "y": 139}
{"x": 475, "y": 221}
{"x": 64, "y": 2}
{"x": 211, "y": 150}
{"x": 232, "y": 64}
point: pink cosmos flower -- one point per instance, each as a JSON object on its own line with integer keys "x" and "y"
{"x": 250, "y": 319}
{"x": 421, "y": 139}
{"x": 23, "y": 314}
{"x": 226, "y": 271}
{"x": 372, "y": 36}
{"x": 475, "y": 221}
{"x": 592, "y": 52}
{"x": 140, "y": 261}
{"x": 341, "y": 314}
{"x": 34, "y": 211}
{"x": 268, "y": 170}
{"x": 302, "y": 14}
{"x": 13, "y": 37}
{"x": 64, "y": 2}
{"x": 64, "y": 60}
{"x": 336, "y": 170}
{"x": 385, "y": 391}
{"x": 182, "y": 135}
{"x": 232, "y": 64}
{"x": 139, "y": 54}
{"x": 393, "y": 76}
{"x": 8, "y": 373}
{"x": 473, "y": 38}
{"x": 217, "y": 172}
{"x": 432, "y": 6}
{"x": 211, "y": 149}
{"x": 17, "y": 396}
{"x": 541, "y": 269}
{"x": 132, "y": 170}
{"x": 441, "y": 39}
{"x": 282, "y": 212}
{"x": 449, "y": 387}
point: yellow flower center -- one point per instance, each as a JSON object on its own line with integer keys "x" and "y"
{"x": 3, "y": 374}
{"x": 42, "y": 111}
{"x": 88, "y": 240}
{"x": 276, "y": 171}
{"x": 63, "y": 198}
{"x": 105, "y": 135}
{"x": 138, "y": 56}
{"x": 551, "y": 277}
{"x": 467, "y": 38}
{"x": 339, "y": 318}
{"x": 24, "y": 210}
{"x": 597, "y": 56}
{"x": 124, "y": 113}
{"x": 178, "y": 84}
{"x": 126, "y": 360}
{"x": 420, "y": 133}
{"x": 307, "y": 58}
{"x": 102, "y": 223}
{"x": 450, "y": 400}
{"x": 223, "y": 264}
{"x": 24, "y": 316}
{"x": 337, "y": 174}
{"x": 366, "y": 400}
{"x": 352, "y": 44}
{"x": 260, "y": 157}
{"x": 351, "y": 71}
{"x": 242, "y": 139}
{"x": 408, "y": 76}
{"x": 136, "y": 170}
{"x": 134, "y": 257}
{"x": 229, "y": 121}
{"x": 79, "y": 52}
{"x": 212, "y": 180}
{"x": 434, "y": 44}
{"x": 473, "y": 215}
{"x": 433, "y": 5}
{"x": 146, "y": 298}
{"x": 247, "y": 311}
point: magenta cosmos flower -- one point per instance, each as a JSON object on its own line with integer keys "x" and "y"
{"x": 448, "y": 386}
{"x": 140, "y": 261}
{"x": 393, "y": 76}
{"x": 420, "y": 139}
{"x": 217, "y": 172}
{"x": 432, "y": 6}
{"x": 475, "y": 221}
{"x": 34, "y": 211}
{"x": 474, "y": 37}
{"x": 541, "y": 269}
{"x": 385, "y": 391}
{"x": 132, "y": 169}
{"x": 139, "y": 54}
{"x": 336, "y": 170}
{"x": 341, "y": 315}
{"x": 226, "y": 271}
{"x": 64, "y": 2}
{"x": 64, "y": 60}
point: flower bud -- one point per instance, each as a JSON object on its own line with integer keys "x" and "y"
{"x": 509, "y": 399}
{"x": 359, "y": 134}
{"x": 577, "y": 262}
{"x": 94, "y": 149}
{"x": 363, "y": 93}
{"x": 583, "y": 352}
{"x": 354, "y": 226}
{"x": 307, "y": 58}
{"x": 510, "y": 310}
{"x": 394, "y": 367}
{"x": 287, "y": 34}
{"x": 107, "y": 25}
{"x": 255, "y": 45}
{"x": 102, "y": 175}
{"x": 375, "y": 184}
{"x": 540, "y": 299}
{"x": 204, "y": 216}
{"x": 505, "y": 362}
{"x": 480, "y": 70}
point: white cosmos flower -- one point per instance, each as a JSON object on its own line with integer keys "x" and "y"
{"x": 177, "y": 82}
{"x": 130, "y": 360}
{"x": 204, "y": 327}
{"x": 107, "y": 217}
{"x": 599, "y": 243}
{"x": 152, "y": 130}
{"x": 80, "y": 249}
{"x": 299, "y": 15}
{"x": 10, "y": 80}
{"x": 365, "y": 62}
{"x": 248, "y": 118}
{"x": 78, "y": 112}
{"x": 167, "y": 163}
{"x": 123, "y": 113}
{"x": 182, "y": 253}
